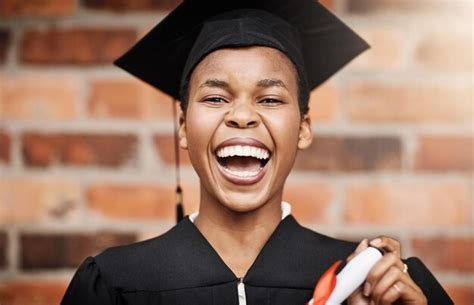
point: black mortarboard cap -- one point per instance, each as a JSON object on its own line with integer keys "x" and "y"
{"x": 317, "y": 42}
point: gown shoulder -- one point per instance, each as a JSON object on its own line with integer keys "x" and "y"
{"x": 88, "y": 286}
{"x": 177, "y": 259}
{"x": 422, "y": 276}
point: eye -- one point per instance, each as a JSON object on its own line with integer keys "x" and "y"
{"x": 215, "y": 100}
{"x": 271, "y": 102}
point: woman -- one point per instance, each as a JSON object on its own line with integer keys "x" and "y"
{"x": 243, "y": 71}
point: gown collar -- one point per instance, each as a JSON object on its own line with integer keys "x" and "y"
{"x": 290, "y": 250}
{"x": 262, "y": 271}
{"x": 285, "y": 211}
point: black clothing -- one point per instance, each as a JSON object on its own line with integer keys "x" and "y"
{"x": 181, "y": 267}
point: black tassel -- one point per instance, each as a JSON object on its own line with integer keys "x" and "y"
{"x": 179, "y": 191}
{"x": 179, "y": 204}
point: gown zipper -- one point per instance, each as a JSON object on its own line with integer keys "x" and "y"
{"x": 241, "y": 292}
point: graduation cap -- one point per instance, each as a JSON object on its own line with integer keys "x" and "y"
{"x": 316, "y": 41}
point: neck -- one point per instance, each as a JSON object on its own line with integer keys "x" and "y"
{"x": 238, "y": 237}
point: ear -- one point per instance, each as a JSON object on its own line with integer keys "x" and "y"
{"x": 305, "y": 134}
{"x": 183, "y": 141}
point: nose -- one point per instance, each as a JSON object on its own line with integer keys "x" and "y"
{"x": 242, "y": 115}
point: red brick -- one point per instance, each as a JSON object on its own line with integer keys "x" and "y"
{"x": 31, "y": 201}
{"x": 164, "y": 145}
{"x": 32, "y": 292}
{"x": 4, "y": 147}
{"x": 51, "y": 251}
{"x": 323, "y": 103}
{"x": 461, "y": 295}
{"x": 310, "y": 202}
{"x": 137, "y": 5}
{"x": 33, "y": 8}
{"x": 5, "y": 38}
{"x": 379, "y": 102}
{"x": 447, "y": 50}
{"x": 329, "y": 153}
{"x": 446, "y": 253}
{"x": 39, "y": 97}
{"x": 81, "y": 46}
{"x": 3, "y": 250}
{"x": 119, "y": 99}
{"x": 140, "y": 202}
{"x": 445, "y": 153}
{"x": 458, "y": 7}
{"x": 329, "y": 4}
{"x": 79, "y": 149}
{"x": 386, "y": 48}
{"x": 408, "y": 205}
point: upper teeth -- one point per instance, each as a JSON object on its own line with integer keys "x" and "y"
{"x": 243, "y": 151}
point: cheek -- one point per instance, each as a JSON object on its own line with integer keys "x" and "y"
{"x": 200, "y": 127}
{"x": 285, "y": 131}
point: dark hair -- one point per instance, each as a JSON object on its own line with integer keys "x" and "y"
{"x": 303, "y": 92}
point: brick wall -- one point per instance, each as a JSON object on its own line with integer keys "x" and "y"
{"x": 86, "y": 150}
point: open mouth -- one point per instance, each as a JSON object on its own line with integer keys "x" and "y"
{"x": 242, "y": 164}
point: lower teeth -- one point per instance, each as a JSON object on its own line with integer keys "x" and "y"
{"x": 242, "y": 174}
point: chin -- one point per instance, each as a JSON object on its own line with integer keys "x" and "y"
{"x": 242, "y": 205}
{"x": 246, "y": 202}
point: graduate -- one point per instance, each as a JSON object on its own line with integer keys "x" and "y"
{"x": 242, "y": 71}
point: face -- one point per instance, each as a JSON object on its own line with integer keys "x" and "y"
{"x": 243, "y": 126}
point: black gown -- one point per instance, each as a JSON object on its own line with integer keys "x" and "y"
{"x": 180, "y": 267}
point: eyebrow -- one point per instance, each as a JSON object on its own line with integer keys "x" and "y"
{"x": 270, "y": 82}
{"x": 215, "y": 83}
{"x": 264, "y": 83}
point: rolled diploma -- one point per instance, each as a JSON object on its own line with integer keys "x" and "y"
{"x": 353, "y": 275}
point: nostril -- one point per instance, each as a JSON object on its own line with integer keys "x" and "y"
{"x": 242, "y": 124}
{"x": 252, "y": 123}
{"x": 233, "y": 123}
{"x": 241, "y": 120}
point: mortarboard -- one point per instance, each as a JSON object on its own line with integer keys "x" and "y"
{"x": 316, "y": 41}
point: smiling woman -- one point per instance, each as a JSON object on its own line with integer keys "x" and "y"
{"x": 244, "y": 70}
{"x": 253, "y": 106}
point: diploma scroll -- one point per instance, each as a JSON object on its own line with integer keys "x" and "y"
{"x": 333, "y": 290}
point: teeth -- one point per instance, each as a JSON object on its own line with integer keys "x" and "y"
{"x": 243, "y": 151}
{"x": 242, "y": 174}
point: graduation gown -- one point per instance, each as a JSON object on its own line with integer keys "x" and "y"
{"x": 180, "y": 267}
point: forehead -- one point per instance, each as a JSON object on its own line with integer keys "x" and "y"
{"x": 252, "y": 61}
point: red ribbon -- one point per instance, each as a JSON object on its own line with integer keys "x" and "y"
{"x": 325, "y": 285}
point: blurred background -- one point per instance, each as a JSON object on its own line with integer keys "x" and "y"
{"x": 86, "y": 151}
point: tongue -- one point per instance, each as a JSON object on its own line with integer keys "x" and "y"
{"x": 243, "y": 164}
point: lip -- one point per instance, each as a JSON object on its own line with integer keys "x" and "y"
{"x": 244, "y": 142}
